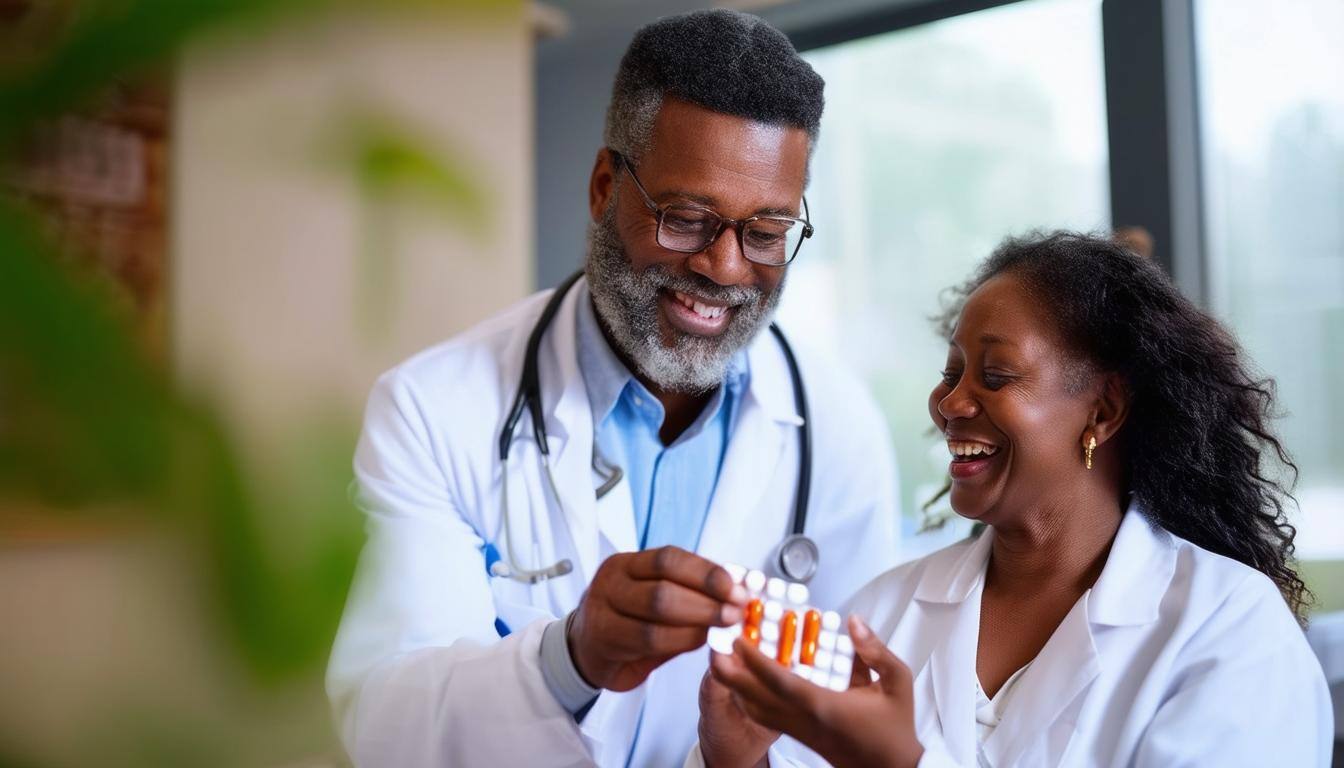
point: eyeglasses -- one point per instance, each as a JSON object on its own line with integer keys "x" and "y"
{"x": 768, "y": 239}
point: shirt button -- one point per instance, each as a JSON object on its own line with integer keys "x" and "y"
{"x": 639, "y": 401}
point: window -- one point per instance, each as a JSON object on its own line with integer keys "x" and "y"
{"x": 938, "y": 141}
{"x": 1272, "y": 116}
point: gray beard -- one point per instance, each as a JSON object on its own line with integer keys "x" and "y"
{"x": 627, "y": 306}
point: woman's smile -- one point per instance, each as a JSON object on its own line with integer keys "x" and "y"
{"x": 971, "y": 457}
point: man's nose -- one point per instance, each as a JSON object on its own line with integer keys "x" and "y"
{"x": 722, "y": 260}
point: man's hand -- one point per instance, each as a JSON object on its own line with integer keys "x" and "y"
{"x": 643, "y": 608}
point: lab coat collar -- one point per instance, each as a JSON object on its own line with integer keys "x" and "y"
{"x": 956, "y": 581}
{"x": 1137, "y": 572}
{"x": 769, "y": 383}
{"x": 1129, "y": 591}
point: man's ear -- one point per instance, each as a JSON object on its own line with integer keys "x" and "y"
{"x": 1110, "y": 409}
{"x": 602, "y": 184}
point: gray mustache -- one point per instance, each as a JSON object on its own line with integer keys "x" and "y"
{"x": 728, "y": 294}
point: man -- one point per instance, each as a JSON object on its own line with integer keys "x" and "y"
{"x": 530, "y": 596}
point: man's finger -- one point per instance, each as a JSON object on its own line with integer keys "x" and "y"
{"x": 667, "y": 602}
{"x": 639, "y": 639}
{"x": 689, "y": 570}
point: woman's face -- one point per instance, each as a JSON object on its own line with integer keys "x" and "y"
{"x": 1013, "y": 423}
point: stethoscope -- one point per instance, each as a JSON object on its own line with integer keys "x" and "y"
{"x": 795, "y": 557}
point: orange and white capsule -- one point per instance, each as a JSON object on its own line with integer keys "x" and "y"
{"x": 788, "y": 635}
{"x": 752, "y": 634}
{"x": 751, "y": 625}
{"x": 811, "y": 631}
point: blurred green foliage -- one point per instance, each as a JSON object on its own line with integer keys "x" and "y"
{"x": 91, "y": 427}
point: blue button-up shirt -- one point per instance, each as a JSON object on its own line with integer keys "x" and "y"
{"x": 671, "y": 485}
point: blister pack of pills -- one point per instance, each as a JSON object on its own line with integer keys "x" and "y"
{"x": 779, "y": 621}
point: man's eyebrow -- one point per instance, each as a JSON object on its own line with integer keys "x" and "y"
{"x": 711, "y": 203}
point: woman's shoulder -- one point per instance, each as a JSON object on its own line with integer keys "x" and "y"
{"x": 1214, "y": 602}
{"x": 891, "y": 591}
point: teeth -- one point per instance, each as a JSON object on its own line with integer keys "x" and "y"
{"x": 970, "y": 448}
{"x": 699, "y": 307}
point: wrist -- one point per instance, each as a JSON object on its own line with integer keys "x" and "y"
{"x": 571, "y": 644}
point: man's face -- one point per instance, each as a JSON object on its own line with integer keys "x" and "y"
{"x": 679, "y": 317}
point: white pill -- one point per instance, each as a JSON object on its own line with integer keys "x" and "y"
{"x": 721, "y": 638}
{"x": 798, "y": 594}
{"x": 822, "y": 660}
{"x": 755, "y": 581}
{"x": 826, "y": 640}
{"x": 768, "y": 648}
{"x": 803, "y": 672}
{"x": 770, "y": 631}
{"x": 775, "y": 589}
{"x": 842, "y": 666}
{"x": 830, "y": 621}
{"x": 838, "y": 683}
{"x": 844, "y": 646}
{"x": 773, "y": 610}
{"x": 736, "y": 571}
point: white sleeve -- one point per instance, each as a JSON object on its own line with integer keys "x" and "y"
{"x": 418, "y": 675}
{"x": 1252, "y": 695}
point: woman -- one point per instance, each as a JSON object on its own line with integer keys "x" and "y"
{"x": 1132, "y": 600}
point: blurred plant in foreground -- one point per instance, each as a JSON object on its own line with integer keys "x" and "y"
{"x": 91, "y": 430}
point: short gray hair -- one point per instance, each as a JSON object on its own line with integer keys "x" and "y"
{"x": 726, "y": 61}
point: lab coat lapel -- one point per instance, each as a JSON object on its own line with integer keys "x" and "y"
{"x": 766, "y": 417}
{"x": 950, "y": 602}
{"x": 1128, "y": 593}
{"x": 569, "y": 426}
{"x": 1063, "y": 671}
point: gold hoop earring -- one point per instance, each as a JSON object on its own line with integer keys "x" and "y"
{"x": 1091, "y": 446}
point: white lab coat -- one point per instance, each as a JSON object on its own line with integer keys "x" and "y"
{"x": 1175, "y": 657}
{"x": 419, "y": 675}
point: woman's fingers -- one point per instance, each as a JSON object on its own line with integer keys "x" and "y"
{"x": 736, "y": 676}
{"x": 891, "y": 671}
{"x": 859, "y": 674}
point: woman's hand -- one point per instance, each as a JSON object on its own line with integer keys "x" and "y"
{"x": 728, "y": 738}
{"x": 871, "y": 724}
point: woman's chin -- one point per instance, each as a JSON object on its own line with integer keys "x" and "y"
{"x": 970, "y": 504}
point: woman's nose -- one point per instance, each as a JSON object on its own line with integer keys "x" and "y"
{"x": 959, "y": 403}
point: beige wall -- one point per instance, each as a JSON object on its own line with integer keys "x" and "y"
{"x": 266, "y": 272}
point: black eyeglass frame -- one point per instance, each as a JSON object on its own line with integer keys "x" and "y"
{"x": 738, "y": 225}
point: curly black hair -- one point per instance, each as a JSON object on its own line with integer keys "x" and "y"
{"x": 1201, "y": 456}
{"x": 723, "y": 60}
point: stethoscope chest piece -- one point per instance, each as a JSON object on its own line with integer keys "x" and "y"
{"x": 797, "y": 557}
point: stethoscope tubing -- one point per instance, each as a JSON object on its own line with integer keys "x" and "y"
{"x": 528, "y": 398}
